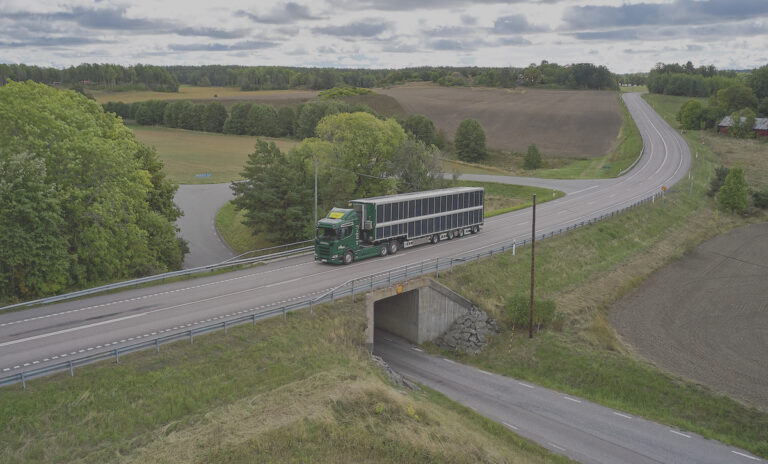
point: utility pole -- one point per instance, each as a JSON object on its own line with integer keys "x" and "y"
{"x": 533, "y": 244}
{"x": 315, "y": 189}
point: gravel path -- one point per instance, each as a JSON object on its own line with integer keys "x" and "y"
{"x": 705, "y": 317}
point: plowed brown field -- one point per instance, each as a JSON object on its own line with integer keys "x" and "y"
{"x": 705, "y": 317}
{"x": 573, "y": 123}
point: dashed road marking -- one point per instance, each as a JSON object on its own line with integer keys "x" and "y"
{"x": 510, "y": 426}
{"x": 572, "y": 399}
{"x": 526, "y": 385}
{"x": 679, "y": 433}
{"x": 745, "y": 455}
{"x": 559, "y": 448}
{"x": 622, "y": 415}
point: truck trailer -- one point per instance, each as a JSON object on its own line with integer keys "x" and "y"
{"x": 382, "y": 225}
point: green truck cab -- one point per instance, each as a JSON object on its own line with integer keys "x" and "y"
{"x": 382, "y": 225}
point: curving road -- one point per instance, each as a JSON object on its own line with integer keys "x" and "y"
{"x": 198, "y": 225}
{"x": 51, "y": 333}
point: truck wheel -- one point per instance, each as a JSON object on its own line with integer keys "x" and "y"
{"x": 461, "y": 232}
{"x": 393, "y": 246}
{"x": 383, "y": 250}
{"x": 435, "y": 238}
{"x": 450, "y": 235}
{"x": 475, "y": 229}
{"x": 348, "y": 257}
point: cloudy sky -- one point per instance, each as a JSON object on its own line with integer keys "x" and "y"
{"x": 625, "y": 35}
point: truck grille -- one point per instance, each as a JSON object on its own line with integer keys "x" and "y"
{"x": 323, "y": 250}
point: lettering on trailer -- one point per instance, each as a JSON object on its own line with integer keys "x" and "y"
{"x": 335, "y": 215}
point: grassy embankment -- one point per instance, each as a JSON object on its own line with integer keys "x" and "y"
{"x": 624, "y": 153}
{"x": 300, "y": 390}
{"x": 188, "y": 153}
{"x": 500, "y": 198}
{"x": 587, "y": 270}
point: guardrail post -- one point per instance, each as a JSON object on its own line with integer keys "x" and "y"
{"x": 191, "y": 338}
{"x": 71, "y": 369}
{"x": 389, "y": 278}
{"x": 371, "y": 282}
{"x": 285, "y": 315}
{"x": 254, "y": 319}
{"x": 514, "y": 244}
{"x": 117, "y": 356}
{"x": 157, "y": 345}
{"x": 23, "y": 381}
{"x": 225, "y": 327}
{"x": 353, "y": 290}
{"x": 333, "y": 296}
{"x": 437, "y": 267}
{"x": 310, "y": 310}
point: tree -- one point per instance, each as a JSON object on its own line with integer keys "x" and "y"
{"x": 532, "y": 159}
{"x": 113, "y": 203}
{"x": 285, "y": 118}
{"x": 214, "y": 116}
{"x": 758, "y": 81}
{"x": 690, "y": 115}
{"x": 416, "y": 166}
{"x": 737, "y": 97}
{"x": 733, "y": 194}
{"x": 470, "y": 141}
{"x": 236, "y": 122}
{"x": 275, "y": 195}
{"x": 262, "y": 121}
{"x": 717, "y": 182}
{"x": 308, "y": 115}
{"x": 420, "y": 127}
{"x": 743, "y": 123}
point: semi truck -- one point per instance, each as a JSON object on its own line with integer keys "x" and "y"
{"x": 380, "y": 226}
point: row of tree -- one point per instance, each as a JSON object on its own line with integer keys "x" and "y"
{"x": 112, "y": 76}
{"x": 358, "y": 155}
{"x": 247, "y": 118}
{"x": 81, "y": 201}
{"x": 703, "y": 81}
{"x": 168, "y": 78}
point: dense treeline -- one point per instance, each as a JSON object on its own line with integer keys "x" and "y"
{"x": 81, "y": 201}
{"x": 687, "y": 80}
{"x": 168, "y": 78}
{"x": 112, "y": 76}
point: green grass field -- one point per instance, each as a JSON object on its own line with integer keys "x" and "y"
{"x": 188, "y": 153}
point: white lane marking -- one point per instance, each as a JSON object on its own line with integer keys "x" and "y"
{"x": 679, "y": 433}
{"x": 417, "y": 349}
{"x": 572, "y": 399}
{"x": 510, "y": 426}
{"x": 622, "y": 415}
{"x": 282, "y": 283}
{"x": 525, "y": 385}
{"x": 560, "y": 448}
{"x": 59, "y": 332}
{"x": 584, "y": 190}
{"x": 449, "y": 360}
{"x": 745, "y": 455}
{"x": 486, "y": 373}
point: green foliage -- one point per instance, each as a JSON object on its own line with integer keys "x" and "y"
{"x": 262, "y": 121}
{"x": 736, "y": 98}
{"x": 214, "y": 117}
{"x": 237, "y": 121}
{"x": 470, "y": 141}
{"x": 758, "y": 81}
{"x": 343, "y": 91}
{"x": 309, "y": 114}
{"x": 416, "y": 166}
{"x": 743, "y": 124}
{"x": 150, "y": 112}
{"x": 690, "y": 115}
{"x": 733, "y": 194}
{"x": 519, "y": 308}
{"x": 675, "y": 79}
{"x": 286, "y": 116}
{"x": 760, "y": 198}
{"x": 532, "y": 159}
{"x": 275, "y": 195}
{"x": 81, "y": 179}
{"x": 717, "y": 182}
{"x": 420, "y": 127}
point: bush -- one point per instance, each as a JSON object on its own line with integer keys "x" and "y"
{"x": 532, "y": 159}
{"x": 343, "y": 91}
{"x": 544, "y": 313}
{"x": 420, "y": 127}
{"x": 760, "y": 198}
{"x": 714, "y": 185}
{"x": 733, "y": 194}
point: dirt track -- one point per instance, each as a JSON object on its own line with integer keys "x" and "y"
{"x": 705, "y": 317}
{"x": 574, "y": 123}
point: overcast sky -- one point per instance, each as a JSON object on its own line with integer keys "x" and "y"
{"x": 624, "y": 35}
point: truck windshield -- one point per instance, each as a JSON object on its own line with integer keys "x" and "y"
{"x": 325, "y": 233}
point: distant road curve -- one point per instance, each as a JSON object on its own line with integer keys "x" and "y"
{"x": 198, "y": 225}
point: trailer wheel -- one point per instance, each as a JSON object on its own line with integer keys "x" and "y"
{"x": 393, "y": 246}
{"x": 348, "y": 257}
{"x": 383, "y": 250}
{"x": 475, "y": 229}
{"x": 461, "y": 232}
{"x": 435, "y": 238}
{"x": 450, "y": 235}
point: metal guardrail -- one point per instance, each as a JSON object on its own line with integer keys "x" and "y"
{"x": 168, "y": 275}
{"x": 350, "y": 287}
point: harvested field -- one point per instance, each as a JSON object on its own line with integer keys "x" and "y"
{"x": 572, "y": 123}
{"x": 704, "y": 317}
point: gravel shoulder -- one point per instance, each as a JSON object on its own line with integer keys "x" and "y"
{"x": 705, "y": 316}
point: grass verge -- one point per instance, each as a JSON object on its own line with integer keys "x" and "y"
{"x": 586, "y": 271}
{"x": 189, "y": 153}
{"x": 295, "y": 390}
{"x": 239, "y": 237}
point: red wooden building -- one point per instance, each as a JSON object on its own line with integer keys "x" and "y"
{"x": 760, "y": 127}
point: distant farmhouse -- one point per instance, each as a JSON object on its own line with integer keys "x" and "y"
{"x": 760, "y": 127}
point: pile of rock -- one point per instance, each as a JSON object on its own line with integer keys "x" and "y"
{"x": 469, "y": 333}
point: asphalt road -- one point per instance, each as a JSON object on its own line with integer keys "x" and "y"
{"x": 198, "y": 227}
{"x": 48, "y": 334}
{"x": 579, "y": 429}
